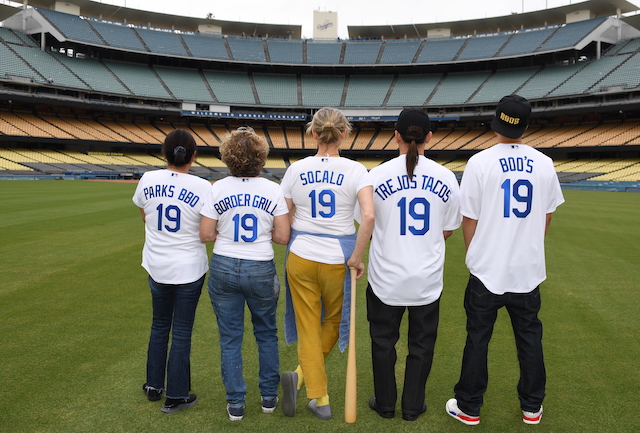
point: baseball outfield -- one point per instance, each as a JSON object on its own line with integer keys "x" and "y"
{"x": 76, "y": 315}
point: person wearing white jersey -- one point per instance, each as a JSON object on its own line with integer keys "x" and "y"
{"x": 416, "y": 209}
{"x": 176, "y": 260}
{"x": 323, "y": 191}
{"x": 243, "y": 213}
{"x": 508, "y": 194}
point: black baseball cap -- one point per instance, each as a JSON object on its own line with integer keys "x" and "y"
{"x": 413, "y": 123}
{"x": 512, "y": 116}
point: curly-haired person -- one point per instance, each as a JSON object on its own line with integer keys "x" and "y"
{"x": 242, "y": 214}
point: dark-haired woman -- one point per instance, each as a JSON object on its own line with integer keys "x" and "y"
{"x": 243, "y": 214}
{"x": 176, "y": 260}
{"x": 416, "y": 209}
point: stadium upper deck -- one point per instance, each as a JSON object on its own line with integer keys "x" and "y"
{"x": 87, "y": 60}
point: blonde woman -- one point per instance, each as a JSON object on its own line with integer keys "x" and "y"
{"x": 243, "y": 213}
{"x": 322, "y": 192}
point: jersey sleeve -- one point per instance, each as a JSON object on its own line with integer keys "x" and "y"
{"x": 453, "y": 217}
{"x": 285, "y": 185}
{"x": 364, "y": 178}
{"x": 555, "y": 196}
{"x": 137, "y": 195}
{"x": 208, "y": 209}
{"x": 470, "y": 192}
{"x": 281, "y": 208}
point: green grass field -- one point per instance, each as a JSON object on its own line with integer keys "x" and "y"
{"x": 76, "y": 312}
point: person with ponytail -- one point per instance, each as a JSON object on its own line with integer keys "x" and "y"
{"x": 416, "y": 209}
{"x": 322, "y": 192}
{"x": 176, "y": 260}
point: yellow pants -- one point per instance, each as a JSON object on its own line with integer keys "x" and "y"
{"x": 313, "y": 284}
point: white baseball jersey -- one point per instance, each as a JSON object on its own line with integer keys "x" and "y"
{"x": 244, "y": 208}
{"x": 325, "y": 192}
{"x": 406, "y": 256}
{"x": 172, "y": 253}
{"x": 509, "y": 189}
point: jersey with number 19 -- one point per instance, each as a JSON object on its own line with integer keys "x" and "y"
{"x": 172, "y": 253}
{"x": 509, "y": 189}
{"x": 325, "y": 192}
{"x": 406, "y": 257}
{"x": 244, "y": 208}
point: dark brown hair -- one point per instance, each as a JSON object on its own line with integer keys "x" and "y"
{"x": 179, "y": 147}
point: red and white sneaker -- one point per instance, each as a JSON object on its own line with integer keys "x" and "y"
{"x": 454, "y": 411}
{"x": 532, "y": 417}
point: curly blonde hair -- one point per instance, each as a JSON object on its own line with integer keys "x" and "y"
{"x": 329, "y": 123}
{"x": 244, "y": 152}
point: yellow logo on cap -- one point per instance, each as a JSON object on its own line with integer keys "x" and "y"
{"x": 509, "y": 119}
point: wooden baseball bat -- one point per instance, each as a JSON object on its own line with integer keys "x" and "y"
{"x": 351, "y": 391}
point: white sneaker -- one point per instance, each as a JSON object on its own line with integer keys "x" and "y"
{"x": 532, "y": 417}
{"x": 454, "y": 411}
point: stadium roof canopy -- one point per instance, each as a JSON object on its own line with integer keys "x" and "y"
{"x": 156, "y": 19}
{"x": 516, "y": 21}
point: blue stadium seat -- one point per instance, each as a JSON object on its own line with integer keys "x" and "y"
{"x": 361, "y": 53}
{"x": 321, "y": 90}
{"x": 163, "y": 42}
{"x": 285, "y": 51}
{"x": 440, "y": 50}
{"x": 71, "y": 26}
{"x": 400, "y": 51}
{"x": 206, "y": 47}
{"x": 247, "y": 49}
{"x": 118, "y": 36}
{"x": 326, "y": 53}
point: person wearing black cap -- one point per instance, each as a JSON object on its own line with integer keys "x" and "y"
{"x": 508, "y": 193}
{"x": 416, "y": 209}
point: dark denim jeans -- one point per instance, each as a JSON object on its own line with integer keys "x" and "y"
{"x": 482, "y": 310}
{"x": 174, "y": 310}
{"x": 384, "y": 328}
{"x": 232, "y": 282}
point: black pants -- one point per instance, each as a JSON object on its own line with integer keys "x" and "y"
{"x": 482, "y": 310}
{"x": 384, "y": 328}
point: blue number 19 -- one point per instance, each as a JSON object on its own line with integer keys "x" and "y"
{"x": 326, "y": 199}
{"x": 527, "y": 198}
{"x": 248, "y": 222}
{"x": 419, "y": 203}
{"x": 172, "y": 214}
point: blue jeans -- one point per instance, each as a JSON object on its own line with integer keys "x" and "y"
{"x": 232, "y": 282}
{"x": 384, "y": 329}
{"x": 174, "y": 310}
{"x": 482, "y": 310}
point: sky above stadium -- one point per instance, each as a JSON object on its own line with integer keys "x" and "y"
{"x": 350, "y": 12}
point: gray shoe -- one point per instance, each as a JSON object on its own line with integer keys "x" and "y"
{"x": 289, "y": 381}
{"x": 322, "y": 412}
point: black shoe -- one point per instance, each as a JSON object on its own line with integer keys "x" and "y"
{"x": 383, "y": 413}
{"x": 151, "y": 393}
{"x": 412, "y": 416}
{"x": 175, "y": 404}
